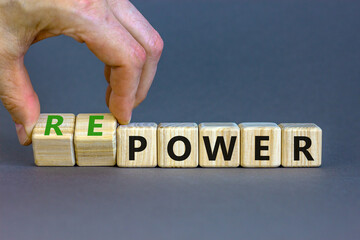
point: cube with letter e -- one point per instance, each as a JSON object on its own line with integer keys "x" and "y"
{"x": 260, "y": 144}
{"x": 95, "y": 139}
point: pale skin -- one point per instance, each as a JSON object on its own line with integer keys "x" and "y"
{"x": 114, "y": 30}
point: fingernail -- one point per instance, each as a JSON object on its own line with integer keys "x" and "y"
{"x": 125, "y": 122}
{"x": 22, "y": 136}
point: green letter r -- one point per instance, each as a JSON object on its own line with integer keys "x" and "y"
{"x": 55, "y": 126}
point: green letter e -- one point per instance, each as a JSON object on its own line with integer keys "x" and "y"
{"x": 93, "y": 125}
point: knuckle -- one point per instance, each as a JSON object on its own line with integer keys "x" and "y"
{"x": 138, "y": 56}
{"x": 85, "y": 5}
{"x": 90, "y": 11}
{"x": 155, "y": 45}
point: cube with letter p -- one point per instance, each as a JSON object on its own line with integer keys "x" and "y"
{"x": 137, "y": 145}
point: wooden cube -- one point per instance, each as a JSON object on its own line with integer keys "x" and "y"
{"x": 178, "y": 145}
{"x": 52, "y": 140}
{"x": 260, "y": 145}
{"x": 219, "y": 145}
{"x": 136, "y": 145}
{"x": 301, "y": 145}
{"x": 95, "y": 139}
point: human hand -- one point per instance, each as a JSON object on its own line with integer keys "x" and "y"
{"x": 114, "y": 30}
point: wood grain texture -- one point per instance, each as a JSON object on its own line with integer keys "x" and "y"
{"x": 292, "y": 130}
{"x": 95, "y": 150}
{"x": 53, "y": 149}
{"x": 166, "y": 131}
{"x": 248, "y": 132}
{"x": 144, "y": 158}
{"x": 213, "y": 131}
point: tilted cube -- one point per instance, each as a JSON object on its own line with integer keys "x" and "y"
{"x": 95, "y": 139}
{"x": 52, "y": 140}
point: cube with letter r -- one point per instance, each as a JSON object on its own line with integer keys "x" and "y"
{"x": 301, "y": 145}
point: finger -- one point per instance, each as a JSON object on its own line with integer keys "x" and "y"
{"x": 123, "y": 92}
{"x": 107, "y": 71}
{"x": 116, "y": 47}
{"x": 42, "y": 36}
{"x": 146, "y": 35}
{"x": 19, "y": 98}
{"x": 107, "y": 95}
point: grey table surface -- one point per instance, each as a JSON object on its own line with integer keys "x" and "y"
{"x": 236, "y": 61}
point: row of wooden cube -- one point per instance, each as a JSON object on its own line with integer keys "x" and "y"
{"x": 97, "y": 140}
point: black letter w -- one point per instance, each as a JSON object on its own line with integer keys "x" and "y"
{"x": 219, "y": 141}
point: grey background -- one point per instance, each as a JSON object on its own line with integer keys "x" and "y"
{"x": 280, "y": 61}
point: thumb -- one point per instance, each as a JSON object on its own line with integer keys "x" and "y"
{"x": 19, "y": 97}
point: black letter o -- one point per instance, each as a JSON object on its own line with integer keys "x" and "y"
{"x": 170, "y": 148}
